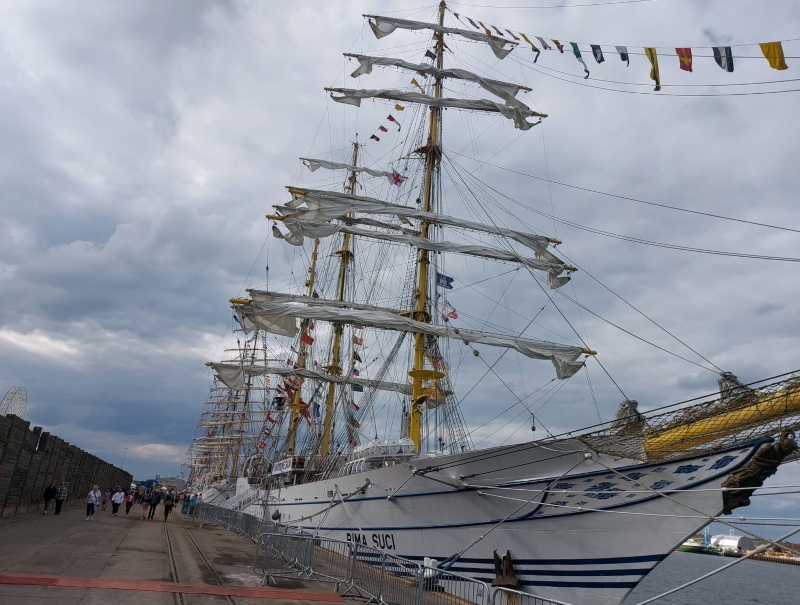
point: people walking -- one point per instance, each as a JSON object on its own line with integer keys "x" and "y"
{"x": 106, "y": 498}
{"x": 169, "y": 502}
{"x": 61, "y": 496}
{"x": 49, "y": 495}
{"x": 129, "y": 502}
{"x": 117, "y": 499}
{"x": 146, "y": 498}
{"x": 92, "y": 502}
{"x": 154, "y": 501}
{"x": 192, "y": 503}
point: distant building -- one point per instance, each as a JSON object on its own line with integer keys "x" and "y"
{"x": 733, "y": 543}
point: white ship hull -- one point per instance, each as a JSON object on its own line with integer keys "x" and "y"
{"x": 578, "y": 531}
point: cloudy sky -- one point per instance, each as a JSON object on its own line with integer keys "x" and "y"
{"x": 142, "y": 143}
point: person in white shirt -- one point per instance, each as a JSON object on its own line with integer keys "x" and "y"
{"x": 92, "y": 502}
{"x": 117, "y": 499}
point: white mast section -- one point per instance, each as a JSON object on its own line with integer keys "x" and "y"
{"x": 383, "y": 26}
{"x": 505, "y": 90}
{"x": 263, "y": 314}
{"x": 517, "y": 114}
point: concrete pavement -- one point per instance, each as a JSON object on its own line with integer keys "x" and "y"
{"x": 47, "y": 559}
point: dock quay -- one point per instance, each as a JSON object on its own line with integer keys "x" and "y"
{"x": 128, "y": 560}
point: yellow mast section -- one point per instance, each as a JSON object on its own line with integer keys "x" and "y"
{"x": 335, "y": 367}
{"x": 297, "y": 405}
{"x": 432, "y": 157}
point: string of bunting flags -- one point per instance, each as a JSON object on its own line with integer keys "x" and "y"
{"x": 772, "y": 51}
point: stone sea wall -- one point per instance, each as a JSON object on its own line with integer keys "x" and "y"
{"x": 31, "y": 459}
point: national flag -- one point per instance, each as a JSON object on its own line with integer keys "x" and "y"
{"x": 487, "y": 30}
{"x": 558, "y": 45}
{"x": 383, "y": 128}
{"x": 396, "y": 178}
{"x": 577, "y": 52}
{"x": 305, "y": 338}
{"x": 354, "y": 405}
{"x": 399, "y": 107}
{"x": 356, "y": 356}
{"x": 623, "y": 54}
{"x": 357, "y": 340}
{"x": 533, "y": 47}
{"x": 355, "y": 371}
{"x": 512, "y": 35}
{"x": 449, "y": 311}
{"x": 374, "y": 138}
{"x": 353, "y": 422}
{"x": 685, "y": 56}
{"x": 391, "y": 118}
{"x": 655, "y": 75}
{"x": 598, "y": 53}
{"x": 357, "y": 388}
{"x": 773, "y": 52}
{"x": 430, "y": 54}
{"x": 545, "y": 45}
{"x": 444, "y": 281}
{"x": 723, "y": 57}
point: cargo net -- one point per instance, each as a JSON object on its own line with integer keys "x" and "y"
{"x": 740, "y": 415}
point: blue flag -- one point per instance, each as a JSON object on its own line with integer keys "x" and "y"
{"x": 443, "y": 281}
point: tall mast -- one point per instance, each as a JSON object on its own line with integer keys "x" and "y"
{"x": 297, "y": 404}
{"x": 432, "y": 158}
{"x": 335, "y": 367}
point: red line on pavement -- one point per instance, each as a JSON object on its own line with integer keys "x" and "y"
{"x": 147, "y": 586}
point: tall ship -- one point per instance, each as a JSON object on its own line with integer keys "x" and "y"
{"x": 424, "y": 287}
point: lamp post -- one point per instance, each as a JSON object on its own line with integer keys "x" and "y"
{"x": 123, "y": 457}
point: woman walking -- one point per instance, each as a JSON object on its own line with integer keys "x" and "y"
{"x": 106, "y": 498}
{"x": 129, "y": 502}
{"x": 146, "y": 498}
{"x": 92, "y": 502}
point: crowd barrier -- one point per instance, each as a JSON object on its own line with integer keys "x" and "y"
{"x": 356, "y": 569}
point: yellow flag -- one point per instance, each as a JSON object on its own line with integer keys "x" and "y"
{"x": 654, "y": 73}
{"x": 399, "y": 107}
{"x": 415, "y": 83}
{"x": 773, "y": 51}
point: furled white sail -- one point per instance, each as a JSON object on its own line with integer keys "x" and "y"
{"x": 229, "y": 368}
{"x": 504, "y": 90}
{"x": 383, "y": 26}
{"x": 517, "y": 113}
{"x": 314, "y": 165}
{"x": 231, "y": 374}
{"x": 564, "y": 357}
{"x": 321, "y": 230}
{"x": 320, "y": 205}
{"x": 272, "y": 296}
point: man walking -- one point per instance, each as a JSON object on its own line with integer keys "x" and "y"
{"x": 49, "y": 495}
{"x": 61, "y": 497}
{"x": 169, "y": 502}
{"x": 92, "y": 502}
{"x": 117, "y": 499}
{"x": 154, "y": 500}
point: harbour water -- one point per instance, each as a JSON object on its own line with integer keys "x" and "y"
{"x": 747, "y": 582}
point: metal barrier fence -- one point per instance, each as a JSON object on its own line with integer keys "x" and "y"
{"x": 356, "y": 569}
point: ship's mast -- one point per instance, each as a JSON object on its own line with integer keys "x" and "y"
{"x": 335, "y": 367}
{"x": 297, "y": 404}
{"x": 432, "y": 158}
